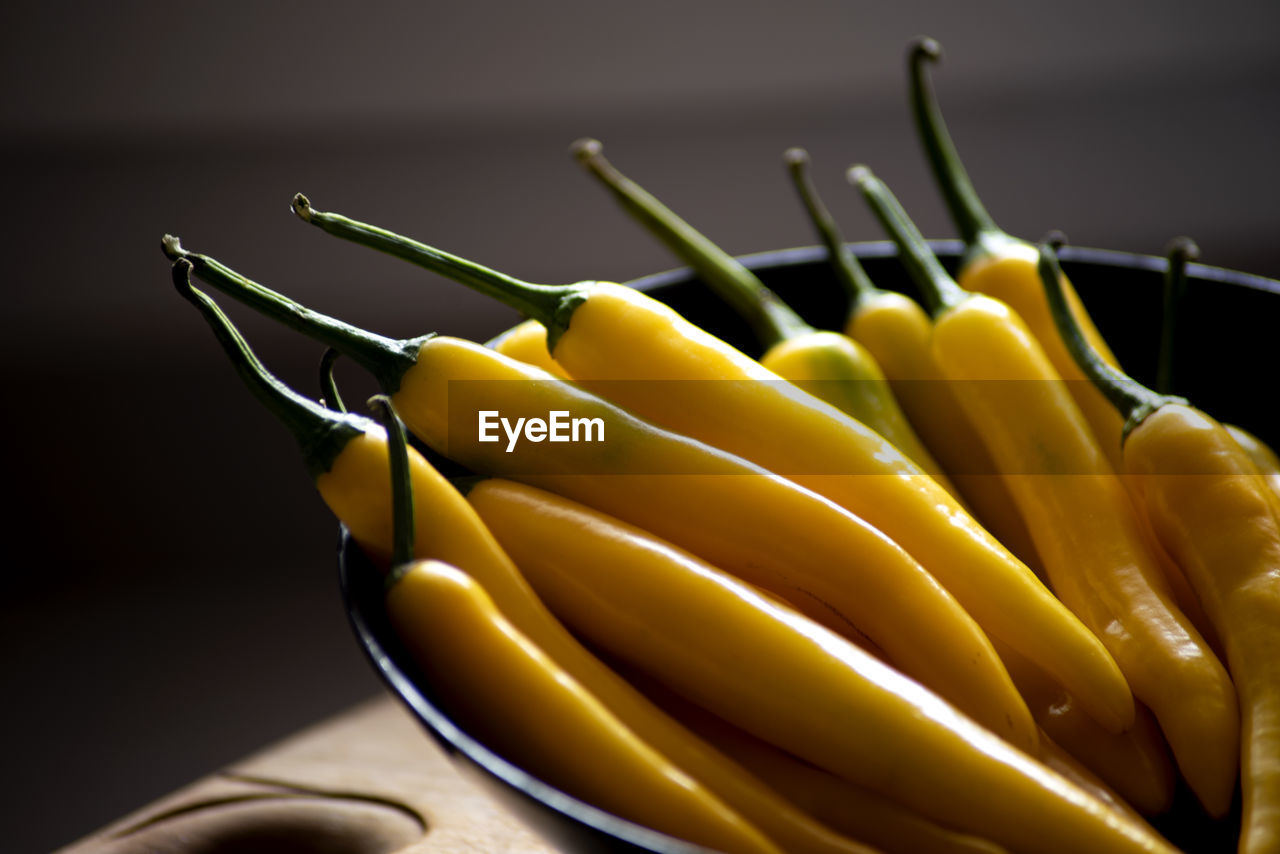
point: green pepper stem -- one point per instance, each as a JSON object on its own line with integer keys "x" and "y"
{"x": 321, "y": 433}
{"x": 848, "y": 269}
{"x": 1132, "y": 399}
{"x": 551, "y": 305}
{"x": 387, "y": 359}
{"x": 1180, "y": 252}
{"x": 329, "y": 393}
{"x": 967, "y": 211}
{"x": 771, "y": 319}
{"x": 402, "y": 531}
{"x": 940, "y": 291}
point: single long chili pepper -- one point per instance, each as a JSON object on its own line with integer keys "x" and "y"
{"x": 1180, "y": 252}
{"x": 996, "y": 263}
{"x": 645, "y": 357}
{"x": 1086, "y": 528}
{"x": 348, "y": 457}
{"x": 522, "y": 705}
{"x": 737, "y": 515}
{"x": 1216, "y": 515}
{"x": 829, "y": 365}
{"x": 895, "y": 330}
{"x": 787, "y": 680}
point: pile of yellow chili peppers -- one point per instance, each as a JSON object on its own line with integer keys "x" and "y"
{"x": 945, "y": 580}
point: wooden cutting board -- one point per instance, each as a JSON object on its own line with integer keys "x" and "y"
{"x": 365, "y": 782}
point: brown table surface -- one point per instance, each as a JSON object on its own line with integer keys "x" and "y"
{"x": 368, "y": 780}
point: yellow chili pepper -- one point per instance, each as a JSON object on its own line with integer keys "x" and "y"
{"x": 522, "y": 705}
{"x": 519, "y": 702}
{"x": 527, "y": 342}
{"x": 999, "y": 265}
{"x": 828, "y": 365}
{"x": 1135, "y": 763}
{"x": 851, "y": 809}
{"x": 1086, "y": 528}
{"x": 739, "y": 516}
{"x": 1062, "y": 762}
{"x": 349, "y": 458}
{"x": 787, "y": 680}
{"x": 1215, "y": 513}
{"x": 645, "y": 357}
{"x": 895, "y": 330}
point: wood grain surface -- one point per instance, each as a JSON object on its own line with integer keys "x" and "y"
{"x": 368, "y": 781}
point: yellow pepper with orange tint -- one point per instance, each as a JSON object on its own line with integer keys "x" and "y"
{"x": 349, "y": 458}
{"x": 1215, "y": 512}
{"x": 785, "y": 679}
{"x": 645, "y": 357}
{"x": 849, "y": 808}
{"x": 1087, "y": 531}
{"x": 484, "y": 669}
{"x": 520, "y": 703}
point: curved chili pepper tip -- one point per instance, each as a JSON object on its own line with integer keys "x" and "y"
{"x": 924, "y": 47}
{"x": 586, "y": 149}
{"x": 302, "y": 207}
{"x": 796, "y": 156}
{"x": 1183, "y": 249}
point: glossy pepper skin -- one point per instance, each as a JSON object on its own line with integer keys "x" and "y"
{"x": 895, "y": 330}
{"x": 1260, "y": 453}
{"x": 349, "y": 456}
{"x": 737, "y": 515}
{"x": 527, "y": 342}
{"x": 740, "y": 517}
{"x": 524, "y": 706}
{"x": 1135, "y": 763}
{"x": 1214, "y": 511}
{"x": 999, "y": 265}
{"x": 849, "y": 808}
{"x": 829, "y": 365}
{"x": 644, "y": 356}
{"x": 517, "y": 701}
{"x": 790, "y": 682}
{"x": 1087, "y": 531}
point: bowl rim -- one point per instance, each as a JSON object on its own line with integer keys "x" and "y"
{"x": 951, "y": 249}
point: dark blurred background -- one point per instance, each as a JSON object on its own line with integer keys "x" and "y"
{"x": 171, "y": 599}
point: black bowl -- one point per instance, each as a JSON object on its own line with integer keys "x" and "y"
{"x": 1228, "y": 320}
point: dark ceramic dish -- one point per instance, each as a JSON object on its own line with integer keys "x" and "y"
{"x": 1225, "y": 338}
